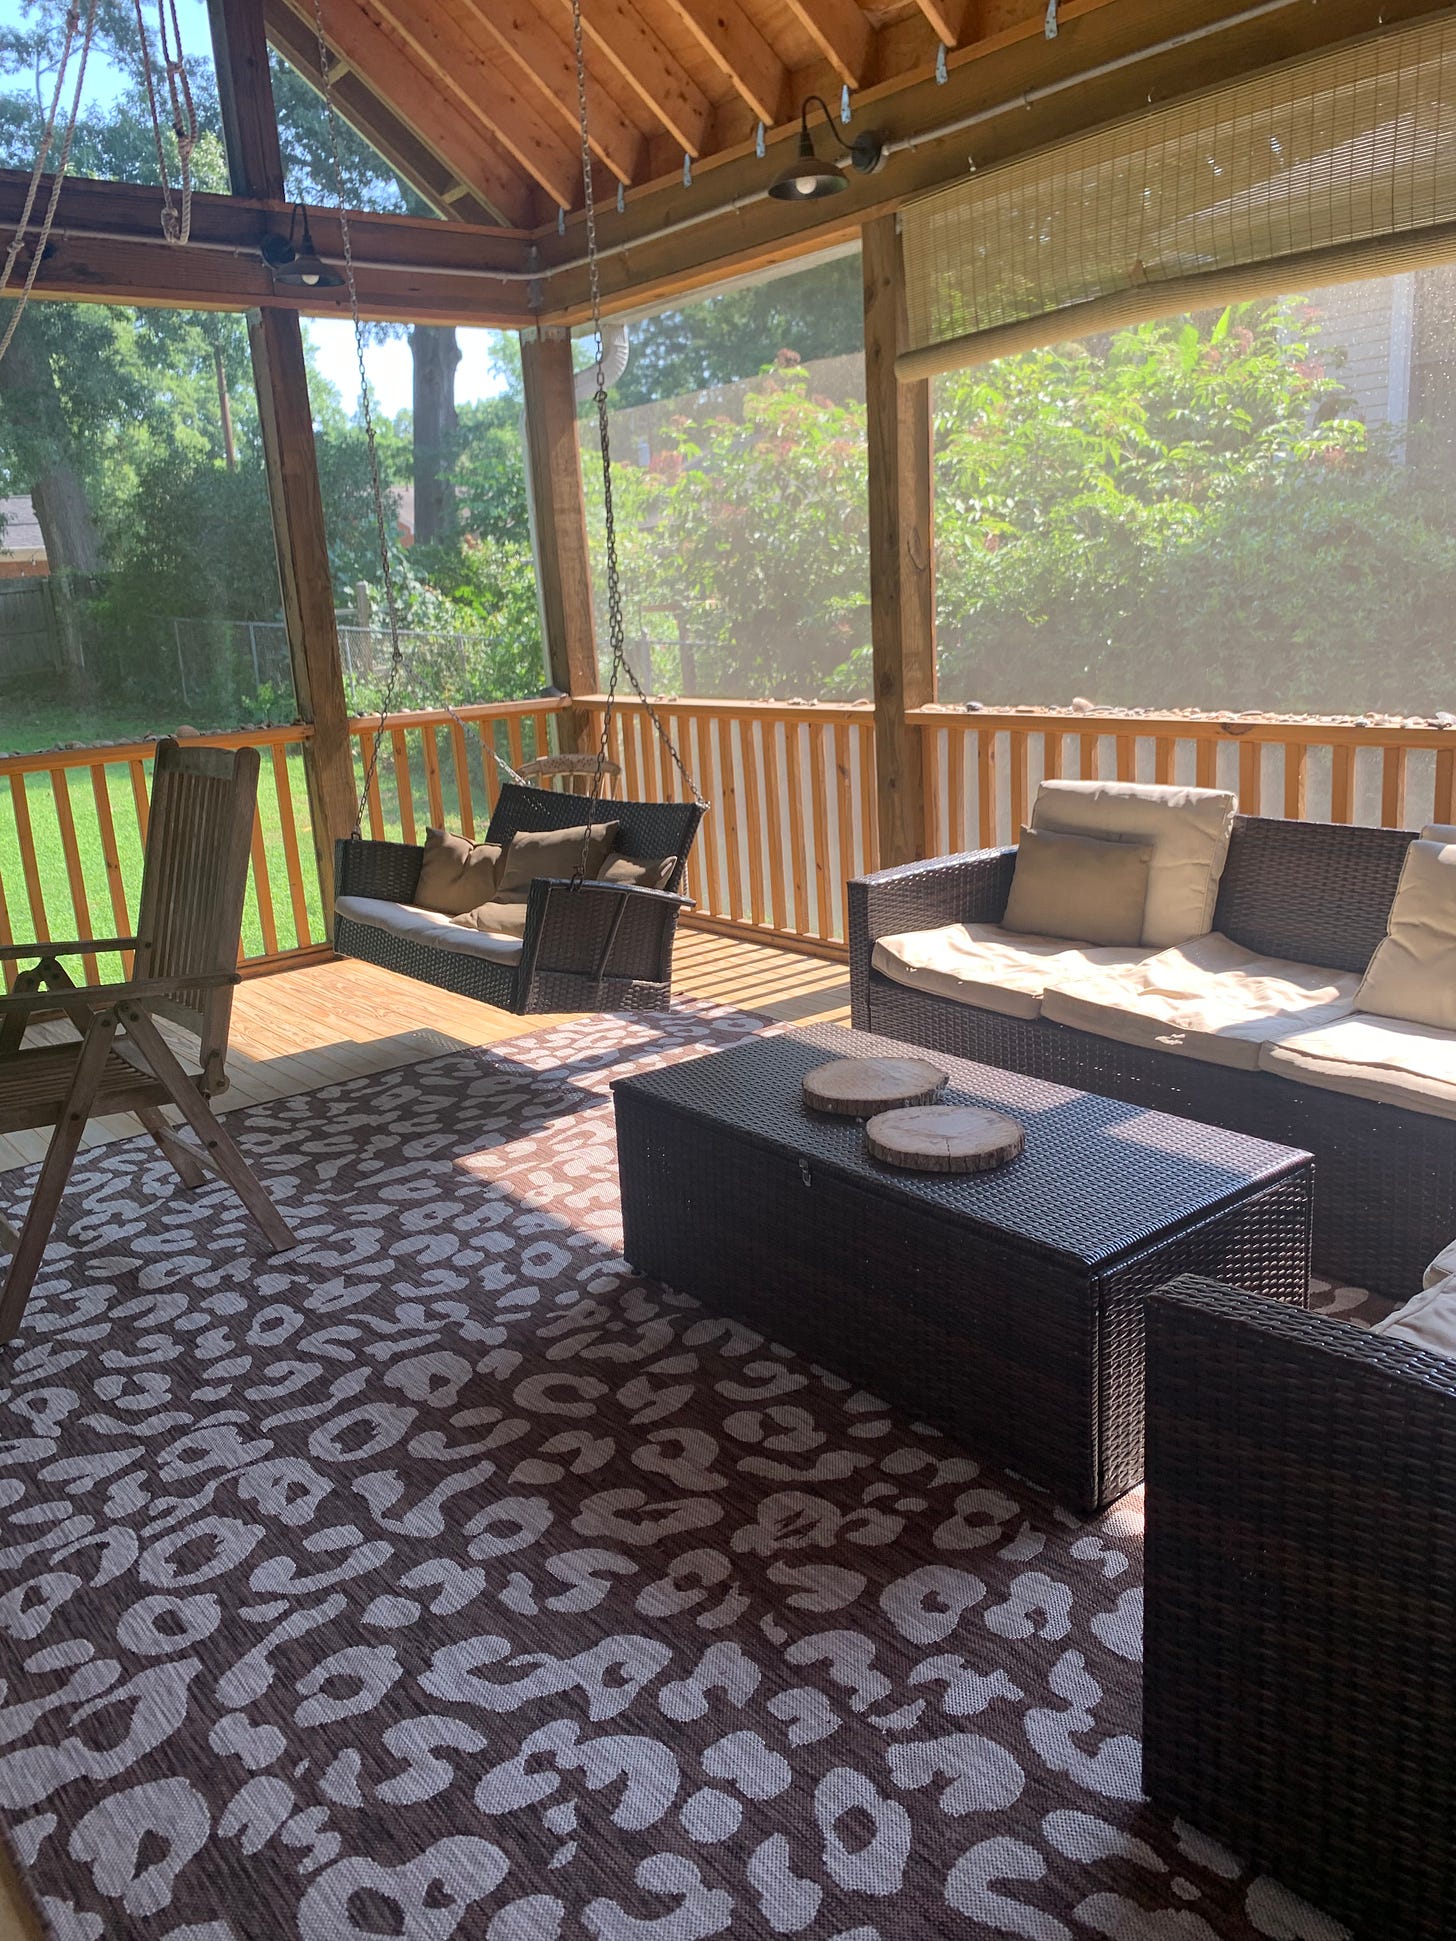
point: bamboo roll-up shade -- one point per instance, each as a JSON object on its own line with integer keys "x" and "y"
{"x": 1336, "y": 166}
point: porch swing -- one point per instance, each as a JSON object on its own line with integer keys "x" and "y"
{"x": 583, "y": 902}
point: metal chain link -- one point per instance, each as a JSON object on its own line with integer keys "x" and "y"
{"x": 616, "y": 625}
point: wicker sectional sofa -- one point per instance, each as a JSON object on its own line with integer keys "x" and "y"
{"x": 1313, "y": 894}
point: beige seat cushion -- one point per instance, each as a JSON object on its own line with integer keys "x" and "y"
{"x": 646, "y": 872}
{"x": 1082, "y": 887}
{"x": 991, "y": 968}
{"x": 1189, "y": 832}
{"x": 1384, "y": 1059}
{"x": 1442, "y": 1267}
{"x": 1428, "y": 1320}
{"x": 455, "y": 874}
{"x": 1413, "y": 972}
{"x": 1209, "y": 999}
{"x": 428, "y": 927}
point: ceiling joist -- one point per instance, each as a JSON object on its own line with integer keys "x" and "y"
{"x": 842, "y": 34}
{"x": 952, "y": 19}
{"x": 734, "y": 44}
{"x": 616, "y": 32}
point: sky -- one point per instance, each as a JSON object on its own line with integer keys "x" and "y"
{"x": 388, "y": 364}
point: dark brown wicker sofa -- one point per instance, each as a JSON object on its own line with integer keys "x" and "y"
{"x": 1300, "y": 1629}
{"x": 1385, "y": 1176}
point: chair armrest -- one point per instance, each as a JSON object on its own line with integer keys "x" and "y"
{"x": 100, "y": 997}
{"x": 921, "y": 896}
{"x": 79, "y": 947}
{"x": 569, "y": 927}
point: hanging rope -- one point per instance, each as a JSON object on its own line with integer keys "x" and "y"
{"x": 176, "y": 222}
{"x": 63, "y": 161}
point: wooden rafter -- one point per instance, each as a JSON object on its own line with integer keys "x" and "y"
{"x": 488, "y": 87}
{"x": 842, "y": 35}
{"x": 515, "y": 25}
{"x": 405, "y": 153}
{"x": 657, "y": 78}
{"x": 953, "y": 20}
{"x": 453, "y": 137}
{"x": 734, "y": 44}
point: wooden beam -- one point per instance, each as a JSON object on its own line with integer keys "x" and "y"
{"x": 841, "y": 33}
{"x": 733, "y": 43}
{"x": 518, "y": 28}
{"x": 675, "y": 101}
{"x": 455, "y": 139}
{"x": 902, "y": 583}
{"x": 490, "y": 88}
{"x": 553, "y": 458}
{"x": 285, "y": 417}
{"x": 951, "y": 19}
{"x": 372, "y": 118}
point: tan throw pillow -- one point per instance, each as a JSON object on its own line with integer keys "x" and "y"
{"x": 1413, "y": 972}
{"x": 555, "y": 853}
{"x": 1189, "y": 831}
{"x": 503, "y": 919}
{"x": 646, "y": 872}
{"x": 455, "y": 874}
{"x": 1082, "y": 887}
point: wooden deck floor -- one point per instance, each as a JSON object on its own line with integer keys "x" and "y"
{"x": 310, "y": 1027}
{"x": 304, "y": 1028}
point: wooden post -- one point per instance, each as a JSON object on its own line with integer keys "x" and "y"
{"x": 563, "y": 566}
{"x": 280, "y": 375}
{"x": 902, "y": 573}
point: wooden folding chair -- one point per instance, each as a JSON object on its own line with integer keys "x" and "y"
{"x": 186, "y": 948}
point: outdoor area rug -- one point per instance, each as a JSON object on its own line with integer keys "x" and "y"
{"x": 442, "y": 1578}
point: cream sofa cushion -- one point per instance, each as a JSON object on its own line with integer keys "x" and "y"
{"x": 1442, "y": 1267}
{"x": 1189, "y": 832}
{"x": 428, "y": 927}
{"x": 1384, "y": 1059}
{"x": 1209, "y": 999}
{"x": 1413, "y": 972}
{"x": 1082, "y": 887}
{"x": 1439, "y": 832}
{"x": 991, "y": 968}
{"x": 1428, "y": 1320}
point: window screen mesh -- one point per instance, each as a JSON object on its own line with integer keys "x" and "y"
{"x": 1338, "y": 151}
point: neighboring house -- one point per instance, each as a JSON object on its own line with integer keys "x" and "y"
{"x": 1399, "y": 358}
{"x": 22, "y": 549}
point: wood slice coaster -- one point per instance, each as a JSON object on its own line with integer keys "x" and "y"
{"x": 944, "y": 1139}
{"x": 857, "y": 1088}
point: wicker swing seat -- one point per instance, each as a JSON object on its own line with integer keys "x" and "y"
{"x": 588, "y": 946}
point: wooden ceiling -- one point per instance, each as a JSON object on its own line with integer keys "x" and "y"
{"x": 475, "y": 101}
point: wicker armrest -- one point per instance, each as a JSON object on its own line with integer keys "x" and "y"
{"x": 921, "y": 896}
{"x": 576, "y": 930}
{"x": 388, "y": 870}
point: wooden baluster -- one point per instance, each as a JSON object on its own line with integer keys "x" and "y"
{"x": 376, "y": 806}
{"x": 819, "y": 814}
{"x": 111, "y": 859}
{"x": 1443, "y": 808}
{"x": 263, "y": 892}
{"x": 1393, "y": 767}
{"x": 1296, "y": 780}
{"x": 711, "y": 834}
{"x": 9, "y": 970}
{"x": 774, "y": 789}
{"x": 403, "y": 784}
{"x": 1164, "y": 755}
{"x": 1342, "y": 782}
{"x": 845, "y": 805}
{"x": 722, "y": 726}
{"x": 798, "y": 854}
{"x": 1205, "y": 763}
{"x": 513, "y": 738}
{"x": 631, "y": 766}
{"x": 1127, "y": 758}
{"x": 297, "y": 896}
{"x": 1051, "y": 758}
{"x": 490, "y": 774}
{"x": 141, "y": 798}
{"x": 868, "y": 820}
{"x": 434, "y": 794}
{"x": 955, "y": 835}
{"x": 460, "y": 759}
{"x": 753, "y": 816}
{"x": 75, "y": 874}
{"x": 986, "y": 792}
{"x": 1251, "y": 776}
{"x": 930, "y": 787}
{"x": 1020, "y": 781}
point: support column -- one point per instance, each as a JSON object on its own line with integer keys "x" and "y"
{"x": 558, "y": 508}
{"x": 280, "y": 375}
{"x": 902, "y": 572}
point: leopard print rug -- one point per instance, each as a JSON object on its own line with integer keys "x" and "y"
{"x": 444, "y": 1579}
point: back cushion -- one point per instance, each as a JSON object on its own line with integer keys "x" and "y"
{"x": 456, "y": 874}
{"x": 1187, "y": 830}
{"x": 1413, "y": 972}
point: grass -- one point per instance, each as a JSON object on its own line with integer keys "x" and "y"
{"x": 52, "y": 912}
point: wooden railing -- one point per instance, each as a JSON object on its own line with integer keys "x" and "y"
{"x": 792, "y": 789}
{"x": 73, "y": 824}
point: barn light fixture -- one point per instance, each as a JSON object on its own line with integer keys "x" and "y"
{"x": 808, "y": 179}
{"x": 301, "y": 262}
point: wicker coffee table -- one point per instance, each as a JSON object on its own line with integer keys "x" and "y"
{"x": 1005, "y": 1307}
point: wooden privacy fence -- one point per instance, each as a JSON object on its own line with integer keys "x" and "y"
{"x": 792, "y": 789}
{"x": 73, "y": 823}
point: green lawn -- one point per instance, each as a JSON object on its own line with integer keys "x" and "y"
{"x": 45, "y": 725}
